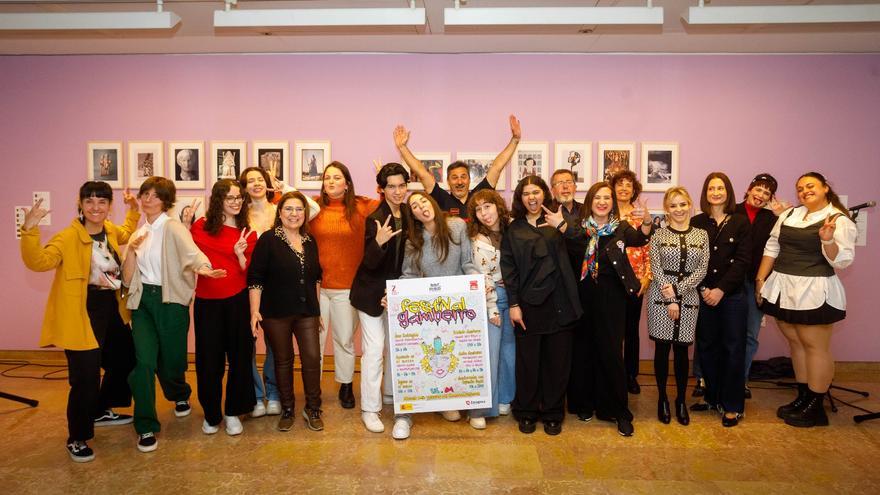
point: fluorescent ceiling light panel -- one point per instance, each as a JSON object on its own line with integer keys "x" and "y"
{"x": 320, "y": 17}
{"x": 783, "y": 14}
{"x": 540, "y": 16}
{"x": 88, "y": 20}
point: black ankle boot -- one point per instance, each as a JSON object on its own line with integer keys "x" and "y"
{"x": 812, "y": 414}
{"x": 346, "y": 396}
{"x": 663, "y": 413}
{"x": 681, "y": 413}
{"x": 796, "y": 405}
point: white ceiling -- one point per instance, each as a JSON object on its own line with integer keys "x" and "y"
{"x": 196, "y": 34}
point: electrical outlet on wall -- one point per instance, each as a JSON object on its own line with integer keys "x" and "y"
{"x": 44, "y": 195}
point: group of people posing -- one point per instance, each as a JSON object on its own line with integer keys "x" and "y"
{"x": 565, "y": 287}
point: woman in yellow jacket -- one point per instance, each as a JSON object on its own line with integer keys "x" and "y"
{"x": 85, "y": 314}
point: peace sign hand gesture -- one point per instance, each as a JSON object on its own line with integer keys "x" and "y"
{"x": 130, "y": 199}
{"x": 553, "y": 218}
{"x": 377, "y": 164}
{"x": 188, "y": 214}
{"x": 639, "y": 211}
{"x": 826, "y": 232}
{"x": 384, "y": 232}
{"x": 33, "y": 216}
{"x": 241, "y": 244}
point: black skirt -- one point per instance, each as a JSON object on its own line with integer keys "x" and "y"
{"x": 823, "y": 315}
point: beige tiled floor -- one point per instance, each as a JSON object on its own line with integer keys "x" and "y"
{"x": 761, "y": 455}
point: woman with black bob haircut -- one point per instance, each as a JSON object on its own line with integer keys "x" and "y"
{"x": 804, "y": 294}
{"x": 92, "y": 326}
{"x": 607, "y": 280}
{"x": 544, "y": 306}
{"x": 721, "y": 325}
{"x": 221, "y": 312}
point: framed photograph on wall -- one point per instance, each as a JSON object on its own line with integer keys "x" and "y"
{"x": 478, "y": 165}
{"x": 187, "y": 164}
{"x": 658, "y": 218}
{"x": 184, "y": 200}
{"x": 273, "y": 157}
{"x": 227, "y": 159}
{"x": 309, "y": 160}
{"x": 105, "y": 162}
{"x": 659, "y": 166}
{"x": 576, "y": 156}
{"x": 435, "y": 163}
{"x": 145, "y": 159}
{"x": 614, "y": 157}
{"x": 530, "y": 158}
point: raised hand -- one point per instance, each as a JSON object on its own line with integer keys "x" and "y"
{"x": 33, "y": 216}
{"x": 136, "y": 242}
{"x": 640, "y": 209}
{"x": 778, "y": 206}
{"x": 129, "y": 199}
{"x": 188, "y": 214}
{"x": 241, "y": 244}
{"x": 826, "y": 231}
{"x": 277, "y": 185}
{"x": 384, "y": 231}
{"x": 553, "y": 218}
{"x": 401, "y": 136}
{"x": 377, "y": 164}
{"x": 515, "y": 129}
{"x": 207, "y": 271}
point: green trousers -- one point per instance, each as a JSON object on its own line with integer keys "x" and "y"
{"x": 159, "y": 330}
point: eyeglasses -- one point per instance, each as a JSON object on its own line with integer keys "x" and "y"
{"x": 293, "y": 209}
{"x": 564, "y": 183}
{"x": 233, "y": 199}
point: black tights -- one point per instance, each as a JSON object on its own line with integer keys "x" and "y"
{"x": 661, "y": 368}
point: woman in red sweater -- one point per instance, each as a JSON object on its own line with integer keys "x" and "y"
{"x": 339, "y": 232}
{"x": 221, "y": 311}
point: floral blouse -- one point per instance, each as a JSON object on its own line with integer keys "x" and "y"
{"x": 639, "y": 257}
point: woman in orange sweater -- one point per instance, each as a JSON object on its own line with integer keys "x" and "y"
{"x": 339, "y": 229}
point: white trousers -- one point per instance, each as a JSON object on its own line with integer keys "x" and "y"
{"x": 375, "y": 343}
{"x": 339, "y": 317}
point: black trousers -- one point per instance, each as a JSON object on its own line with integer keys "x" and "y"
{"x": 280, "y": 331}
{"x": 543, "y": 362}
{"x": 598, "y": 377}
{"x": 721, "y": 341}
{"x": 89, "y": 394}
{"x": 223, "y": 334}
{"x": 631, "y": 336}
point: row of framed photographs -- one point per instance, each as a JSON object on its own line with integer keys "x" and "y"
{"x": 658, "y": 171}
{"x": 189, "y": 166}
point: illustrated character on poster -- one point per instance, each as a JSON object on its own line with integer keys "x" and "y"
{"x": 439, "y": 359}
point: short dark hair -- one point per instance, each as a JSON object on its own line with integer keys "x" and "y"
{"x": 164, "y": 189}
{"x": 627, "y": 174}
{"x": 518, "y": 209}
{"x": 388, "y": 170}
{"x": 458, "y": 164}
{"x": 587, "y": 207}
{"x": 97, "y": 189}
{"x": 730, "y": 206}
{"x": 560, "y": 172}
{"x": 304, "y": 228}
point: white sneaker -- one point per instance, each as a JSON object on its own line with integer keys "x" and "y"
{"x": 274, "y": 408}
{"x": 478, "y": 423}
{"x": 259, "y": 410}
{"x": 388, "y": 400}
{"x": 504, "y": 409}
{"x": 372, "y": 422}
{"x": 233, "y": 425}
{"x": 207, "y": 429}
{"x": 402, "y": 427}
{"x": 451, "y": 415}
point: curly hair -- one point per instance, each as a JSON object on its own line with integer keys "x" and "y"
{"x": 629, "y": 175}
{"x": 214, "y": 216}
{"x": 475, "y": 227}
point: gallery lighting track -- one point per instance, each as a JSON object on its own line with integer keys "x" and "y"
{"x": 78, "y": 21}
{"x": 552, "y": 16}
{"x": 403, "y": 16}
{"x": 782, "y": 14}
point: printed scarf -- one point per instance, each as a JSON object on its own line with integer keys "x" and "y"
{"x": 594, "y": 232}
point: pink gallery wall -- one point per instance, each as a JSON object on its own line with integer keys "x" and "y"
{"x": 738, "y": 114}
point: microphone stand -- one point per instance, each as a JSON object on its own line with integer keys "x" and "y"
{"x": 18, "y": 398}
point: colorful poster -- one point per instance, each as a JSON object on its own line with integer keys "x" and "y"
{"x": 439, "y": 344}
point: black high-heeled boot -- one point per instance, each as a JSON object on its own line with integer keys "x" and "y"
{"x": 796, "y": 405}
{"x": 681, "y": 413}
{"x": 663, "y": 413}
{"x": 812, "y": 414}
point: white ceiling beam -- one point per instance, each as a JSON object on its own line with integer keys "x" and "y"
{"x": 88, "y": 21}
{"x": 540, "y": 16}
{"x": 783, "y": 14}
{"x": 320, "y": 17}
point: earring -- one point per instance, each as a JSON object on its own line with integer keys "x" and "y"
{"x": 82, "y": 217}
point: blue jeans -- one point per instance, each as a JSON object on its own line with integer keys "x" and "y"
{"x": 269, "y": 391}
{"x": 753, "y": 324}
{"x": 494, "y": 352}
{"x": 507, "y": 356}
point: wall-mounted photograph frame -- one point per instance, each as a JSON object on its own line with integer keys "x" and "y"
{"x": 478, "y": 166}
{"x": 614, "y": 156}
{"x": 434, "y": 162}
{"x": 227, "y": 159}
{"x": 186, "y": 164}
{"x": 659, "y": 169}
{"x": 273, "y": 157}
{"x": 105, "y": 162}
{"x": 309, "y": 159}
{"x": 184, "y": 200}
{"x": 530, "y": 158}
{"x": 577, "y": 157}
{"x": 145, "y": 159}
{"x": 658, "y": 218}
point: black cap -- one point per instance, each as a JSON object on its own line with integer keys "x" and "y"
{"x": 765, "y": 179}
